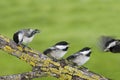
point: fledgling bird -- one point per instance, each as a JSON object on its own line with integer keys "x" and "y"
{"x": 109, "y": 44}
{"x": 81, "y": 57}
{"x": 58, "y": 50}
{"x": 24, "y": 36}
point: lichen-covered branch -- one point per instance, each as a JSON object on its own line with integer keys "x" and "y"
{"x": 24, "y": 76}
{"x": 44, "y": 64}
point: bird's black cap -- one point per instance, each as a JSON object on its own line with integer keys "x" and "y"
{"x": 85, "y": 49}
{"x": 62, "y": 43}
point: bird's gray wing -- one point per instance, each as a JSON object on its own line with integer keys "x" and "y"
{"x": 73, "y": 56}
{"x": 47, "y": 51}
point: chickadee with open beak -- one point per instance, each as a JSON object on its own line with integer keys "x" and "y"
{"x": 24, "y": 36}
{"x": 81, "y": 57}
{"x": 109, "y": 44}
{"x": 58, "y": 50}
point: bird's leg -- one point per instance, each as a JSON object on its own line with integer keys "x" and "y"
{"x": 25, "y": 46}
{"x": 74, "y": 64}
{"x": 20, "y": 44}
{"x": 60, "y": 59}
{"x": 54, "y": 59}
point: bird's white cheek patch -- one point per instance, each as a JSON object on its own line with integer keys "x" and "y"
{"x": 20, "y": 36}
{"x": 61, "y": 46}
{"x": 85, "y": 52}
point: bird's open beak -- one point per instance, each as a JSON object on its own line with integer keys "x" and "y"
{"x": 37, "y": 31}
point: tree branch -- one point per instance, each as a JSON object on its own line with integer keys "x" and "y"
{"x": 43, "y": 65}
{"x": 24, "y": 76}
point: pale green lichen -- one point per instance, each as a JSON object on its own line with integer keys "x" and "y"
{"x": 20, "y": 48}
{"x": 30, "y": 50}
{"x": 73, "y": 71}
{"x": 8, "y": 49}
{"x": 96, "y": 77}
{"x": 6, "y": 39}
{"x": 54, "y": 70}
{"x": 46, "y": 63}
{"x": 55, "y": 63}
{"x": 31, "y": 60}
{"x": 65, "y": 77}
{"x": 32, "y": 63}
{"x": 63, "y": 72}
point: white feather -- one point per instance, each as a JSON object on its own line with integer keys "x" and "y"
{"x": 61, "y": 46}
{"x": 85, "y": 52}
{"x": 27, "y": 39}
{"x": 112, "y": 44}
{"x": 58, "y": 54}
{"x": 20, "y": 37}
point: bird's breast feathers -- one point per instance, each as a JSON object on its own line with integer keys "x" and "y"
{"x": 58, "y": 54}
{"x": 27, "y": 39}
{"x": 80, "y": 60}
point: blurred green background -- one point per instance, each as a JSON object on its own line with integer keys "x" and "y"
{"x": 80, "y": 22}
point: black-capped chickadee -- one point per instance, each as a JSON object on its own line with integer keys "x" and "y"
{"x": 109, "y": 44}
{"x": 58, "y": 50}
{"x": 24, "y": 36}
{"x": 81, "y": 57}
